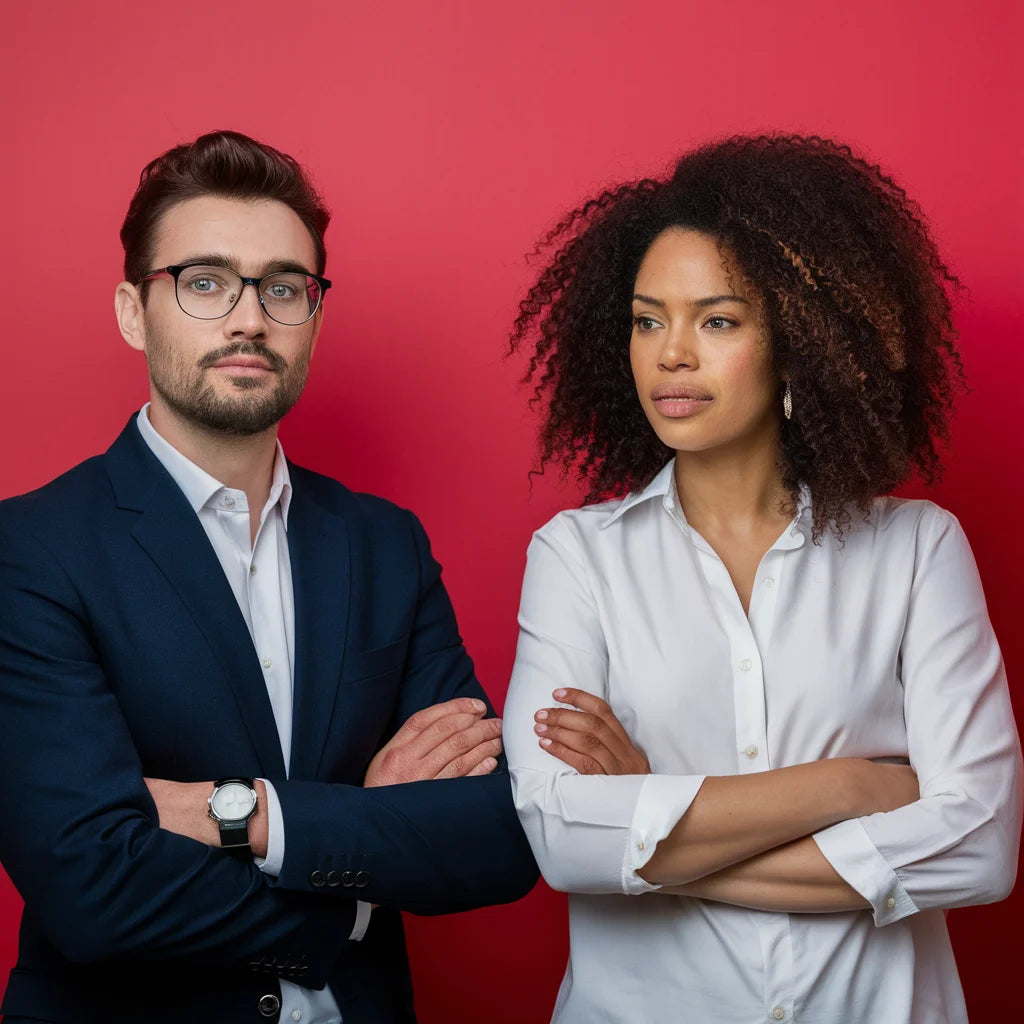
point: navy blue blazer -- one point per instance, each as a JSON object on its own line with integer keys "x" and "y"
{"x": 123, "y": 654}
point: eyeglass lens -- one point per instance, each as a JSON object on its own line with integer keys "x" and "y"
{"x": 211, "y": 292}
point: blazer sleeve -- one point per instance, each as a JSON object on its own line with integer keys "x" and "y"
{"x": 428, "y": 847}
{"x": 78, "y": 830}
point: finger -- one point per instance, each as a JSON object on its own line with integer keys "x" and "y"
{"x": 583, "y": 763}
{"x": 485, "y": 767}
{"x": 461, "y": 743}
{"x": 426, "y": 717}
{"x": 583, "y": 722}
{"x": 465, "y": 764}
{"x": 444, "y": 729}
{"x": 593, "y": 705}
{"x": 586, "y": 744}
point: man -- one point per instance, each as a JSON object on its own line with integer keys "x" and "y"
{"x": 211, "y": 661}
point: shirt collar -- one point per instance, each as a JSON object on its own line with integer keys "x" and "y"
{"x": 196, "y": 484}
{"x": 664, "y": 486}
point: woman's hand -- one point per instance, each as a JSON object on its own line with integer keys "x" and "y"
{"x": 591, "y": 740}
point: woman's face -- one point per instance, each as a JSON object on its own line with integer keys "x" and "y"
{"x": 699, "y": 350}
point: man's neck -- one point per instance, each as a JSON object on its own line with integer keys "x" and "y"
{"x": 243, "y": 463}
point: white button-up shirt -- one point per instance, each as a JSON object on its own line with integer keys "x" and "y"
{"x": 876, "y": 647}
{"x": 260, "y": 576}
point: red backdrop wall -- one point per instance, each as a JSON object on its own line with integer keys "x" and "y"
{"x": 447, "y": 136}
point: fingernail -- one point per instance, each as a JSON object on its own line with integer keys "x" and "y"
{"x": 541, "y": 716}
{"x": 559, "y": 694}
{"x": 540, "y": 728}
{"x": 479, "y": 705}
{"x": 545, "y": 743}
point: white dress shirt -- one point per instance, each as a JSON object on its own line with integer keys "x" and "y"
{"x": 877, "y": 647}
{"x": 260, "y": 576}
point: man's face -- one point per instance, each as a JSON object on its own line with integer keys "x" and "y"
{"x": 241, "y": 373}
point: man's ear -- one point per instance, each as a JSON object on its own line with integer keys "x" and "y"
{"x": 130, "y": 315}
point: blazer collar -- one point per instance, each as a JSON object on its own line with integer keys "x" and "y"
{"x": 169, "y": 531}
{"x": 318, "y": 546}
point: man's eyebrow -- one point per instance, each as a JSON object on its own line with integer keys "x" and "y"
{"x": 218, "y": 259}
{"x": 711, "y": 300}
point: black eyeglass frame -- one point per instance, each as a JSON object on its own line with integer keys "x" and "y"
{"x": 175, "y": 271}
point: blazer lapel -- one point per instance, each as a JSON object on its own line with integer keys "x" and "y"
{"x": 318, "y": 548}
{"x": 169, "y": 531}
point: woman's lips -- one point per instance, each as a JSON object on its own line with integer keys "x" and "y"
{"x": 677, "y": 401}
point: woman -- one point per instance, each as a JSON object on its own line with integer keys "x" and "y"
{"x": 714, "y": 670}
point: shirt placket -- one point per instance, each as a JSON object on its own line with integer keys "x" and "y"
{"x": 749, "y": 634}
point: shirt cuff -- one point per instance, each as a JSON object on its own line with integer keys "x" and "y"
{"x": 271, "y": 864}
{"x": 848, "y": 849}
{"x": 663, "y": 800}
{"x": 362, "y": 921}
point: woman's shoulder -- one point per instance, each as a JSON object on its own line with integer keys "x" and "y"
{"x": 907, "y": 514}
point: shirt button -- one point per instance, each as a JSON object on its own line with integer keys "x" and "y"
{"x": 750, "y": 750}
{"x": 296, "y": 1015}
{"x": 640, "y": 845}
{"x": 227, "y": 501}
{"x": 891, "y": 902}
{"x": 267, "y": 663}
{"x": 745, "y": 664}
{"x": 252, "y": 570}
{"x": 769, "y": 582}
{"x": 779, "y": 1013}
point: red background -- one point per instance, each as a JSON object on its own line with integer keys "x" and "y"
{"x": 447, "y": 136}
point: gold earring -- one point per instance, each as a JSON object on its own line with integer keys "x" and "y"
{"x": 787, "y": 401}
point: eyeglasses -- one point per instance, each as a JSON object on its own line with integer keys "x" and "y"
{"x": 208, "y": 293}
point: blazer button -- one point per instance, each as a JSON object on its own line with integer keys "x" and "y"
{"x": 318, "y": 879}
{"x": 347, "y": 879}
{"x": 362, "y": 878}
{"x": 269, "y": 1005}
{"x": 333, "y": 879}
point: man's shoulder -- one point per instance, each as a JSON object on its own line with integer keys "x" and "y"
{"x": 356, "y": 507}
{"x": 74, "y": 491}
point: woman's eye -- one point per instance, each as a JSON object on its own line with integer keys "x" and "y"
{"x": 644, "y": 323}
{"x": 719, "y": 323}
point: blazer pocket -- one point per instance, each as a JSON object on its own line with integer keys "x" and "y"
{"x": 360, "y": 665}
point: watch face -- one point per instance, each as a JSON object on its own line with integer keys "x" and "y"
{"x": 234, "y": 801}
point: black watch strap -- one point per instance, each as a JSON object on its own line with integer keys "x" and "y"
{"x": 234, "y": 835}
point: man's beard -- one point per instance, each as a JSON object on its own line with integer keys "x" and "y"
{"x": 253, "y": 409}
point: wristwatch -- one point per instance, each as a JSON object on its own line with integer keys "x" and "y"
{"x": 232, "y": 804}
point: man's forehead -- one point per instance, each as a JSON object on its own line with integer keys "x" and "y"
{"x": 247, "y": 235}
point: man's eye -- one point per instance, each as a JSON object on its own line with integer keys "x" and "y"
{"x": 203, "y": 284}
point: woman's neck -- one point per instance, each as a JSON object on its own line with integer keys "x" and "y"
{"x": 732, "y": 492}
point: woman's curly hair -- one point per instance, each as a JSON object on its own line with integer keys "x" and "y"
{"x": 853, "y": 291}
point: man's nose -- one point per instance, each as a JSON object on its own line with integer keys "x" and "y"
{"x": 247, "y": 317}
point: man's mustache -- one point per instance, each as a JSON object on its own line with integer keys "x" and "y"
{"x": 244, "y": 348}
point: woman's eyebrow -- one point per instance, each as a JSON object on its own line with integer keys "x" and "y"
{"x": 711, "y": 300}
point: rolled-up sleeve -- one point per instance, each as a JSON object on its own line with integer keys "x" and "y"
{"x": 957, "y": 845}
{"x": 589, "y": 833}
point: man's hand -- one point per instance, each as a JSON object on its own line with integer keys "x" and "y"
{"x": 183, "y": 808}
{"x": 444, "y": 741}
{"x": 591, "y": 740}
